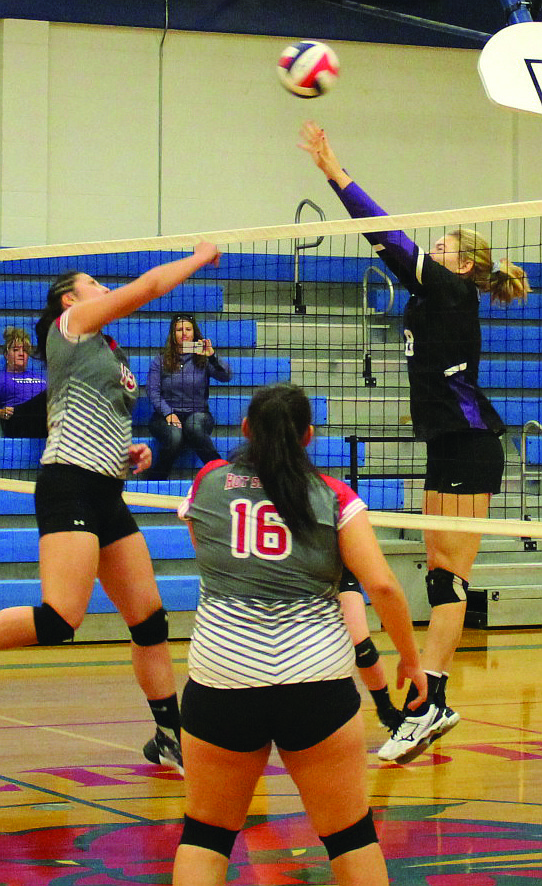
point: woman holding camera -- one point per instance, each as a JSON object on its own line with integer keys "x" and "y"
{"x": 178, "y": 388}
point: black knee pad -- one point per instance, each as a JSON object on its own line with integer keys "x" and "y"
{"x": 358, "y": 835}
{"x": 445, "y": 587}
{"x": 51, "y": 628}
{"x": 152, "y": 631}
{"x": 208, "y": 836}
{"x": 366, "y": 653}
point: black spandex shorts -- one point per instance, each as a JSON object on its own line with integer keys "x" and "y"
{"x": 295, "y": 716}
{"x": 465, "y": 463}
{"x": 71, "y": 499}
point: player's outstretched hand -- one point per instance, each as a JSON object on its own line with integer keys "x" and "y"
{"x": 316, "y": 144}
{"x": 418, "y": 677}
{"x": 207, "y": 253}
{"x": 140, "y": 457}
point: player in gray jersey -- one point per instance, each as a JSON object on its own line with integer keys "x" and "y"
{"x": 271, "y": 658}
{"x": 86, "y": 530}
{"x": 465, "y": 459}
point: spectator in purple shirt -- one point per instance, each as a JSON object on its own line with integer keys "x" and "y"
{"x": 18, "y": 386}
{"x": 178, "y": 388}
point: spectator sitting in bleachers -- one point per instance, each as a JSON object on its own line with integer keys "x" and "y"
{"x": 178, "y": 389}
{"x": 23, "y": 407}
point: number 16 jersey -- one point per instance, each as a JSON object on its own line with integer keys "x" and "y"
{"x": 268, "y": 610}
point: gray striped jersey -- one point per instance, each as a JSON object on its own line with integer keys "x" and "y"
{"x": 90, "y": 396}
{"x": 268, "y": 610}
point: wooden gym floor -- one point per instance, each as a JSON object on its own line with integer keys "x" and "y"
{"x": 79, "y": 805}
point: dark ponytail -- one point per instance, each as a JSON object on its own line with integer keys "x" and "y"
{"x": 53, "y": 309}
{"x": 278, "y": 418}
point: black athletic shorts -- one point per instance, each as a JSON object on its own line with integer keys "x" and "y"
{"x": 295, "y": 716}
{"x": 71, "y": 499}
{"x": 465, "y": 463}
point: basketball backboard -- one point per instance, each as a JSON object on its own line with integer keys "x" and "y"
{"x": 510, "y": 67}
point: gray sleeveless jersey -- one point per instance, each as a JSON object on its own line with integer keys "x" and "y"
{"x": 90, "y": 397}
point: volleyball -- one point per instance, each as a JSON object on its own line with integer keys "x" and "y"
{"x": 308, "y": 69}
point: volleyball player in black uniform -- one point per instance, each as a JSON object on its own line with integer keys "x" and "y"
{"x": 450, "y": 412}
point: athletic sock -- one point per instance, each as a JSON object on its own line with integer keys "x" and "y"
{"x": 440, "y": 694}
{"x": 167, "y": 715}
{"x": 433, "y": 679}
{"x": 382, "y": 700}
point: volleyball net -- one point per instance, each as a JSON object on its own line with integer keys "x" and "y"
{"x": 309, "y": 303}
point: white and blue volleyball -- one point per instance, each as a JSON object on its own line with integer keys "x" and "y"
{"x": 308, "y": 68}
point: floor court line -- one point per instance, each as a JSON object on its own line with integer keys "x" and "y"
{"x": 499, "y": 726}
{"x": 18, "y": 724}
{"x": 25, "y": 666}
{"x": 77, "y": 800}
{"x": 67, "y": 734}
{"x": 397, "y": 799}
{"x": 107, "y": 663}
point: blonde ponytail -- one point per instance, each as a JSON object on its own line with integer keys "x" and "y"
{"x": 504, "y": 281}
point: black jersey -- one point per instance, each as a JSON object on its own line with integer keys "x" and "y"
{"x": 441, "y": 330}
{"x": 442, "y": 347}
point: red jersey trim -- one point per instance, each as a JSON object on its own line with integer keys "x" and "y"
{"x": 206, "y": 469}
{"x": 349, "y": 501}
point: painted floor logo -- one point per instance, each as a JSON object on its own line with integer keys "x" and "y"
{"x": 421, "y": 849}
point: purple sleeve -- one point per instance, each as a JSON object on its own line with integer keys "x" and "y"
{"x": 218, "y": 370}
{"x": 394, "y": 247}
{"x": 154, "y": 388}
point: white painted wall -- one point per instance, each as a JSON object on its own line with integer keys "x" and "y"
{"x": 23, "y": 132}
{"x": 412, "y": 124}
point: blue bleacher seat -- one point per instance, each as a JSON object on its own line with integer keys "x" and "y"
{"x": 379, "y": 495}
{"x": 23, "y": 503}
{"x": 325, "y": 452}
{"x": 529, "y": 310}
{"x": 138, "y": 332}
{"x": 533, "y": 449}
{"x": 511, "y": 339}
{"x": 192, "y": 298}
{"x": 518, "y": 410}
{"x": 233, "y": 266}
{"x": 228, "y": 410}
{"x": 510, "y": 374}
{"x": 378, "y": 298}
{"x": 382, "y": 494}
{"x": 179, "y": 594}
{"x": 247, "y": 371}
{"x": 21, "y": 454}
{"x": 168, "y": 542}
{"x": 195, "y": 298}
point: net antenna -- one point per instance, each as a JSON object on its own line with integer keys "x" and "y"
{"x": 510, "y": 64}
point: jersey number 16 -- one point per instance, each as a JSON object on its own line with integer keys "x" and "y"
{"x": 257, "y": 529}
